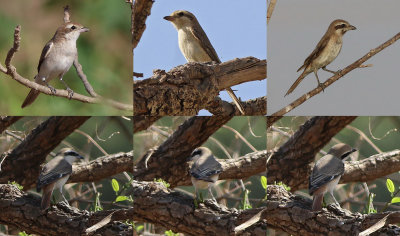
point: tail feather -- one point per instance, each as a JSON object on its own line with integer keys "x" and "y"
{"x": 33, "y": 94}
{"x": 296, "y": 83}
{"x": 235, "y": 100}
{"x": 317, "y": 202}
{"x": 46, "y": 197}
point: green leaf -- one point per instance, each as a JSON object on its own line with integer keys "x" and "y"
{"x": 390, "y": 185}
{"x": 115, "y": 185}
{"x": 263, "y": 180}
{"x": 395, "y": 200}
{"x": 139, "y": 228}
{"x": 121, "y": 198}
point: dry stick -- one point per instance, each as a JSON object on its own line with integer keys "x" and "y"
{"x": 357, "y": 64}
{"x": 11, "y": 70}
{"x": 271, "y": 8}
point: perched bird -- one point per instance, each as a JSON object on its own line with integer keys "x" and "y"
{"x": 195, "y": 45}
{"x": 56, "y": 58}
{"x": 327, "y": 172}
{"x": 326, "y": 51}
{"x": 55, "y": 174}
{"x": 205, "y": 170}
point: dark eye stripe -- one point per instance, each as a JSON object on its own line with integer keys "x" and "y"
{"x": 71, "y": 153}
{"x": 196, "y": 152}
{"x": 340, "y": 26}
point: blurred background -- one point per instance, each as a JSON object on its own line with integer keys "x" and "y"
{"x": 370, "y": 136}
{"x": 95, "y": 138}
{"x": 104, "y": 53}
{"x": 295, "y": 29}
{"x": 225, "y": 140}
{"x": 235, "y": 30}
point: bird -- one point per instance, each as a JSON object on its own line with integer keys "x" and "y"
{"x": 55, "y": 174}
{"x": 56, "y": 59}
{"x": 327, "y": 172}
{"x": 195, "y": 45}
{"x": 205, "y": 170}
{"x": 326, "y": 51}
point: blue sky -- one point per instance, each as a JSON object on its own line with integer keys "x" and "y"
{"x": 235, "y": 29}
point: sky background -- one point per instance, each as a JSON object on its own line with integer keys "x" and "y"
{"x": 295, "y": 29}
{"x": 235, "y": 30}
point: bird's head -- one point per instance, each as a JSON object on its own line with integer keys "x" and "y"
{"x": 199, "y": 152}
{"x": 340, "y": 27}
{"x": 70, "y": 31}
{"x": 182, "y": 18}
{"x": 69, "y": 155}
{"x": 341, "y": 150}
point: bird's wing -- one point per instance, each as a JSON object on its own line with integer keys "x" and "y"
{"x": 205, "y": 167}
{"x": 60, "y": 169}
{"x": 325, "y": 172}
{"x": 317, "y": 51}
{"x": 199, "y": 34}
{"x": 45, "y": 52}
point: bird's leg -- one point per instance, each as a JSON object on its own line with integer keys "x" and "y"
{"x": 333, "y": 72}
{"x": 52, "y": 89}
{"x": 334, "y": 199}
{"x": 319, "y": 83}
{"x": 70, "y": 91}
{"x": 211, "y": 194}
{"x": 61, "y": 191}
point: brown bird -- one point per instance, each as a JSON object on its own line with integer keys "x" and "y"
{"x": 326, "y": 51}
{"x": 327, "y": 172}
{"x": 56, "y": 58}
{"x": 195, "y": 45}
{"x": 55, "y": 174}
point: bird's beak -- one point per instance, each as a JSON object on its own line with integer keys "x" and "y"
{"x": 353, "y": 150}
{"x": 80, "y": 157}
{"x": 84, "y": 29}
{"x": 169, "y": 18}
{"x": 352, "y": 27}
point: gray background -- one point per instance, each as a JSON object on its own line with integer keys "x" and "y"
{"x": 295, "y": 29}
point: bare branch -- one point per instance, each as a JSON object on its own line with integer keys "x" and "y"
{"x": 271, "y": 8}
{"x": 140, "y": 11}
{"x": 7, "y": 121}
{"x": 141, "y": 123}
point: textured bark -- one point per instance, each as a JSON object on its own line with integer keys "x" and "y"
{"x": 187, "y": 89}
{"x": 22, "y": 211}
{"x": 292, "y": 214}
{"x": 102, "y": 167}
{"x": 7, "y": 121}
{"x": 32, "y": 151}
{"x": 156, "y": 204}
{"x": 169, "y": 160}
{"x": 140, "y": 11}
{"x": 291, "y": 162}
{"x": 253, "y": 107}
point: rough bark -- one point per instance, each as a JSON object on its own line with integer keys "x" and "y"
{"x": 7, "y": 121}
{"x": 140, "y": 11}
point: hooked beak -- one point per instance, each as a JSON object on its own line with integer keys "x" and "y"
{"x": 169, "y": 18}
{"x": 352, "y": 27}
{"x": 80, "y": 157}
{"x": 84, "y": 29}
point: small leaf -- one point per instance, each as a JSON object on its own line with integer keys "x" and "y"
{"x": 263, "y": 180}
{"x": 139, "y": 228}
{"x": 115, "y": 185}
{"x": 121, "y": 198}
{"x": 395, "y": 200}
{"x": 390, "y": 185}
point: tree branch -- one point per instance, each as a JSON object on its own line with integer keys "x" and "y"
{"x": 187, "y": 89}
{"x": 276, "y": 116}
{"x": 140, "y": 11}
{"x": 7, "y": 121}
{"x": 141, "y": 123}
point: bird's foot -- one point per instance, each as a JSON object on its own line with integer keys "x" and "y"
{"x": 70, "y": 93}
{"x": 52, "y": 89}
{"x": 322, "y": 86}
{"x": 339, "y": 72}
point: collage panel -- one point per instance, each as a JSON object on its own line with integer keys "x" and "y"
{"x": 65, "y": 175}
{"x": 65, "y": 58}
{"x": 350, "y": 45}
{"x": 199, "y": 58}
{"x": 334, "y": 175}
{"x": 201, "y": 175}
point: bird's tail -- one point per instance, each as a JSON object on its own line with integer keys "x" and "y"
{"x": 317, "y": 202}
{"x": 32, "y": 95}
{"x": 46, "y": 198}
{"x": 235, "y": 100}
{"x": 296, "y": 83}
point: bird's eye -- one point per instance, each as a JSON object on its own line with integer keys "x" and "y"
{"x": 73, "y": 27}
{"x": 180, "y": 14}
{"x": 343, "y": 25}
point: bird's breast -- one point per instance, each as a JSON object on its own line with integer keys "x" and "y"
{"x": 191, "y": 47}
{"x": 329, "y": 53}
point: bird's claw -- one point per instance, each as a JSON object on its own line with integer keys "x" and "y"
{"x": 70, "y": 93}
{"x": 338, "y": 72}
{"x": 321, "y": 85}
{"x": 52, "y": 89}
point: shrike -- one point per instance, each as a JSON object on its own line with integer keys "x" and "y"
{"x": 326, "y": 51}
{"x": 205, "y": 170}
{"x": 55, "y": 174}
{"x": 327, "y": 172}
{"x": 56, "y": 58}
{"x": 195, "y": 45}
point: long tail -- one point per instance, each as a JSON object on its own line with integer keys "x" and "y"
{"x": 235, "y": 100}
{"x": 32, "y": 95}
{"x": 46, "y": 197}
{"x": 317, "y": 202}
{"x": 296, "y": 83}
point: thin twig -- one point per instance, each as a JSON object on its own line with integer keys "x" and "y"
{"x": 271, "y": 8}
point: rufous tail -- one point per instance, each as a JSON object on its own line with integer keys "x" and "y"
{"x": 32, "y": 95}
{"x": 46, "y": 197}
{"x": 317, "y": 202}
{"x": 235, "y": 100}
{"x": 296, "y": 83}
